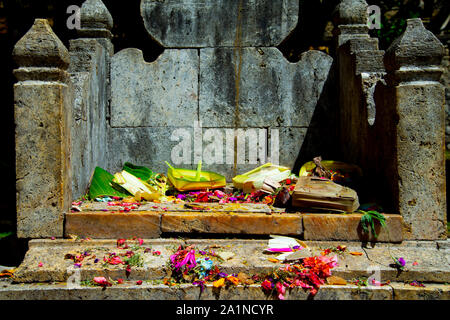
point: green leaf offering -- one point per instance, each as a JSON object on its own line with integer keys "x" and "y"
{"x": 143, "y": 173}
{"x": 101, "y": 185}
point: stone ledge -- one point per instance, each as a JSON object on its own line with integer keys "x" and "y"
{"x": 153, "y": 222}
{"x": 150, "y": 224}
{"x": 233, "y": 223}
{"x": 431, "y": 263}
{"x": 105, "y": 225}
{"x": 431, "y": 291}
{"x": 347, "y": 228}
{"x": 148, "y": 291}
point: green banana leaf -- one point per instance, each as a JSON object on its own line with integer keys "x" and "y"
{"x": 143, "y": 173}
{"x": 101, "y": 185}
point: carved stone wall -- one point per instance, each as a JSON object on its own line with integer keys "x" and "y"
{"x": 221, "y": 69}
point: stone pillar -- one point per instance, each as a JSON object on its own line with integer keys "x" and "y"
{"x": 360, "y": 65}
{"x": 42, "y": 104}
{"x": 89, "y": 69}
{"x": 96, "y": 23}
{"x": 350, "y": 21}
{"x": 414, "y": 92}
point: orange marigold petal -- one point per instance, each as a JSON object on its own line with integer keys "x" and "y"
{"x": 234, "y": 280}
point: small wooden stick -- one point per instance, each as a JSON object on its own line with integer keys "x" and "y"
{"x": 320, "y": 170}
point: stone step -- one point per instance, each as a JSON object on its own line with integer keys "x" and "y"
{"x": 148, "y": 291}
{"x": 102, "y": 222}
{"x": 431, "y": 259}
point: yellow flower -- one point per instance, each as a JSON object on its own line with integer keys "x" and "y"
{"x": 219, "y": 283}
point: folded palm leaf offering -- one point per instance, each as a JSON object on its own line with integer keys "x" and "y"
{"x": 321, "y": 193}
{"x": 138, "y": 188}
{"x": 186, "y": 180}
{"x": 102, "y": 185}
{"x": 156, "y": 182}
{"x": 137, "y": 181}
{"x": 267, "y": 174}
{"x": 268, "y": 184}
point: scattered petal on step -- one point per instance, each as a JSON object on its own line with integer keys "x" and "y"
{"x": 335, "y": 280}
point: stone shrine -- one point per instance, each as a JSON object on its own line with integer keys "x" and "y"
{"x": 221, "y": 80}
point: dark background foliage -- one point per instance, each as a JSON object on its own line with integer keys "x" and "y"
{"x": 17, "y": 16}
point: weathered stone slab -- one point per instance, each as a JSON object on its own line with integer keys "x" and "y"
{"x": 152, "y": 146}
{"x": 233, "y": 223}
{"x": 89, "y": 75}
{"x": 444, "y": 245}
{"x": 429, "y": 292}
{"x": 158, "y": 94}
{"x": 431, "y": 264}
{"x": 291, "y": 141}
{"x": 296, "y": 94}
{"x": 146, "y": 146}
{"x": 104, "y": 225}
{"x": 214, "y": 207}
{"x": 81, "y": 151}
{"x": 258, "y": 87}
{"x": 378, "y": 258}
{"x": 149, "y": 224}
{"x": 251, "y": 148}
{"x": 199, "y": 24}
{"x": 177, "y": 207}
{"x": 347, "y": 227}
{"x": 279, "y": 145}
{"x": 149, "y": 291}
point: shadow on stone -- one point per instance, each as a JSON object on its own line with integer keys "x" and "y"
{"x": 321, "y": 137}
{"x": 132, "y": 35}
{"x": 13, "y": 250}
{"x": 369, "y": 238}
